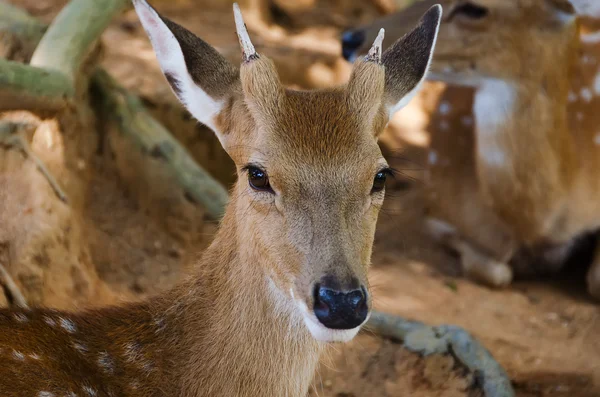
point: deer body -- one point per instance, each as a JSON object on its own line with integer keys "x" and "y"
{"x": 530, "y": 188}
{"x": 168, "y": 346}
{"x": 286, "y": 273}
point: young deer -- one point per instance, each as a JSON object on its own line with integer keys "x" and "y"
{"x": 531, "y": 186}
{"x": 287, "y": 271}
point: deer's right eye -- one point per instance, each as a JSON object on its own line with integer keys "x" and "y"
{"x": 469, "y": 10}
{"x": 258, "y": 179}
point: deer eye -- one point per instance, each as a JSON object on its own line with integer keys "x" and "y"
{"x": 258, "y": 179}
{"x": 379, "y": 181}
{"x": 469, "y": 10}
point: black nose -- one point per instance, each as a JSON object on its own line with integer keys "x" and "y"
{"x": 339, "y": 309}
{"x": 351, "y": 42}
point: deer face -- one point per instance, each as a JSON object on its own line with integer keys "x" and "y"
{"x": 484, "y": 39}
{"x": 311, "y": 175}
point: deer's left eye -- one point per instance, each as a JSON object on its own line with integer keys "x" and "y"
{"x": 379, "y": 181}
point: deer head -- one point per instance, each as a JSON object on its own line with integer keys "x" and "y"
{"x": 311, "y": 177}
{"x": 483, "y": 39}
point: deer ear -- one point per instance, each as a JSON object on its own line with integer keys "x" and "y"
{"x": 200, "y": 77}
{"x": 407, "y": 61}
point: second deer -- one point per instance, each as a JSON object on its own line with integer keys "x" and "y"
{"x": 287, "y": 271}
{"x": 519, "y": 195}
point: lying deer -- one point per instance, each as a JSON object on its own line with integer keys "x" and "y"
{"x": 287, "y": 271}
{"x": 520, "y": 195}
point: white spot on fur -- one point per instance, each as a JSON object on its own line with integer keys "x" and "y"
{"x": 572, "y": 97}
{"x": 17, "y": 355}
{"x": 80, "y": 347}
{"x": 445, "y": 108}
{"x": 586, "y": 94}
{"x": 160, "y": 325}
{"x": 171, "y": 59}
{"x": 106, "y": 363}
{"x": 49, "y": 321}
{"x": 597, "y": 139}
{"x": 35, "y": 356}
{"x": 579, "y": 116}
{"x": 90, "y": 391}
{"x": 45, "y": 394}
{"x": 67, "y": 325}
{"x": 494, "y": 157}
{"x": 439, "y": 229}
{"x": 467, "y": 120}
{"x": 444, "y": 125}
{"x": 133, "y": 352}
{"x": 591, "y": 38}
{"x": 494, "y": 101}
{"x": 432, "y": 158}
{"x": 71, "y": 394}
{"x": 597, "y": 84}
{"x": 20, "y": 317}
{"x": 586, "y": 59}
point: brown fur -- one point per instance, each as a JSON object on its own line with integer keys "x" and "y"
{"x": 531, "y": 211}
{"x": 235, "y": 327}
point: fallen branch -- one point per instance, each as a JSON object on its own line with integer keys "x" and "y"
{"x": 127, "y": 111}
{"x": 73, "y": 32}
{"x": 446, "y": 339}
{"x": 30, "y": 88}
{"x": 10, "y": 135}
{"x": 11, "y": 288}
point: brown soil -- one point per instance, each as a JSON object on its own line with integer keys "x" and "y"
{"x": 129, "y": 236}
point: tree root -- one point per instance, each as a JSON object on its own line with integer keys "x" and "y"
{"x": 11, "y": 289}
{"x": 30, "y": 88}
{"x": 72, "y": 34}
{"x": 446, "y": 339}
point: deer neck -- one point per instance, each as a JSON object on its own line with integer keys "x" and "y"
{"x": 238, "y": 326}
{"x": 525, "y": 155}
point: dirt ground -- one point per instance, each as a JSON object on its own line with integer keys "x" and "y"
{"x": 544, "y": 331}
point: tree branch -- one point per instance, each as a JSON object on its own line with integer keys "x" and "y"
{"x": 446, "y": 339}
{"x": 69, "y": 38}
{"x": 10, "y": 135}
{"x": 30, "y": 88}
{"x": 152, "y": 138}
{"x": 11, "y": 288}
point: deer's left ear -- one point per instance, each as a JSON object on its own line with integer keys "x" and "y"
{"x": 407, "y": 61}
{"x": 201, "y": 78}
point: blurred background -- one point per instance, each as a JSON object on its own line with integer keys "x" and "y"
{"x": 129, "y": 230}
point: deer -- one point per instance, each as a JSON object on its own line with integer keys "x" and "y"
{"x": 286, "y": 273}
{"x": 512, "y": 182}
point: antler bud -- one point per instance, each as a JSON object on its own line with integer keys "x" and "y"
{"x": 248, "y": 51}
{"x": 374, "y": 54}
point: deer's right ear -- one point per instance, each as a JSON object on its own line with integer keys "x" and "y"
{"x": 200, "y": 77}
{"x": 407, "y": 61}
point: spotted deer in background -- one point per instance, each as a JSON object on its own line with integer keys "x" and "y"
{"x": 287, "y": 271}
{"x": 514, "y": 161}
